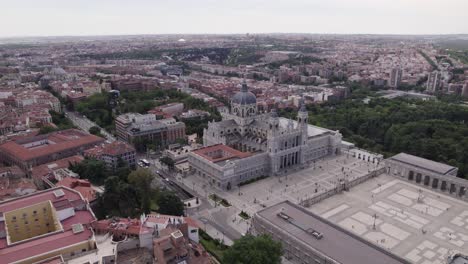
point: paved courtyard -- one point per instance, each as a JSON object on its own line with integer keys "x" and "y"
{"x": 422, "y": 226}
{"x": 296, "y": 186}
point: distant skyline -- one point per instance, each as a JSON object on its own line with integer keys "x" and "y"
{"x": 122, "y": 17}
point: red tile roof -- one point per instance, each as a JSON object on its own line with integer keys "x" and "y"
{"x": 38, "y": 197}
{"x": 42, "y": 245}
{"x": 40, "y": 171}
{"x": 80, "y": 185}
{"x": 52, "y": 241}
{"x": 227, "y": 153}
{"x": 58, "y": 142}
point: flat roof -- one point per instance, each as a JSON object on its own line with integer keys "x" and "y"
{"x": 423, "y": 163}
{"x": 336, "y": 243}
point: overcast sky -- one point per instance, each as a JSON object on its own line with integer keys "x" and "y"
{"x": 113, "y": 17}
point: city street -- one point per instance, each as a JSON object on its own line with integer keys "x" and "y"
{"x": 85, "y": 124}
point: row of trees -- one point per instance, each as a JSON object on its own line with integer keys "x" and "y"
{"x": 61, "y": 122}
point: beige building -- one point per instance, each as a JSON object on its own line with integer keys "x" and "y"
{"x": 47, "y": 224}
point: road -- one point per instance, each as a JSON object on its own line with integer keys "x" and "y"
{"x": 211, "y": 216}
{"x": 85, "y": 124}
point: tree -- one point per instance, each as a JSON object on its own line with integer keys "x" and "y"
{"x": 254, "y": 250}
{"x": 141, "y": 180}
{"x": 168, "y": 161}
{"x": 93, "y": 170}
{"x": 95, "y": 130}
{"x": 46, "y": 130}
{"x": 170, "y": 204}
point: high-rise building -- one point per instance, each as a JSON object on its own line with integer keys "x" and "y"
{"x": 395, "y": 78}
{"x": 433, "y": 82}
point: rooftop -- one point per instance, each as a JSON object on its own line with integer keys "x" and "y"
{"x": 112, "y": 149}
{"x": 21, "y": 244}
{"x": 424, "y": 163}
{"x": 43, "y": 145}
{"x": 312, "y": 131}
{"x": 42, "y": 170}
{"x": 335, "y": 242}
{"x": 38, "y": 197}
{"x": 219, "y": 152}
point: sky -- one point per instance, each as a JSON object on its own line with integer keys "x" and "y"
{"x": 119, "y": 17}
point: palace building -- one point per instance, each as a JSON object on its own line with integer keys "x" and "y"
{"x": 247, "y": 144}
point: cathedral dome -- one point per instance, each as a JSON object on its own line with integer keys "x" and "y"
{"x": 244, "y": 97}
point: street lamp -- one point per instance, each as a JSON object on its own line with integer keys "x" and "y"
{"x": 375, "y": 219}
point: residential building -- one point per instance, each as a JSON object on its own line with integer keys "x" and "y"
{"x": 13, "y": 183}
{"x": 110, "y": 153}
{"x": 172, "y": 239}
{"x": 47, "y": 224}
{"x": 33, "y": 151}
{"x": 53, "y": 171}
{"x": 82, "y": 186}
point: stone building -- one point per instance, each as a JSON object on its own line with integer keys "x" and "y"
{"x": 246, "y": 144}
{"x": 133, "y": 126}
{"x": 428, "y": 174}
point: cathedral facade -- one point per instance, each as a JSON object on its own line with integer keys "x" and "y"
{"x": 247, "y": 144}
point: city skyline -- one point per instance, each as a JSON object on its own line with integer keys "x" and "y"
{"x": 105, "y": 17}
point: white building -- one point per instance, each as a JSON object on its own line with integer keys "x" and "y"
{"x": 246, "y": 145}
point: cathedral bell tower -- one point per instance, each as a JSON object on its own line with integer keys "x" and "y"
{"x": 273, "y": 123}
{"x": 303, "y": 119}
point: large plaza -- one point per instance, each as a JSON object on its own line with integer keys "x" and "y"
{"x": 295, "y": 186}
{"x": 420, "y": 225}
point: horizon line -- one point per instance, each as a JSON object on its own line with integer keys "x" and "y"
{"x": 227, "y": 34}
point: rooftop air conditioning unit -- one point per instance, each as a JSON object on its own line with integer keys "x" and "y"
{"x": 59, "y": 193}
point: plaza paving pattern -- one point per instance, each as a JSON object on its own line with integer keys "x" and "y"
{"x": 423, "y": 226}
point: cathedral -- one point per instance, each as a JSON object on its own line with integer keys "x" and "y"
{"x": 247, "y": 144}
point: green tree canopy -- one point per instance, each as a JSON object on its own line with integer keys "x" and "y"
{"x": 94, "y": 130}
{"x": 170, "y": 204}
{"x": 254, "y": 250}
{"x": 93, "y": 170}
{"x": 141, "y": 180}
